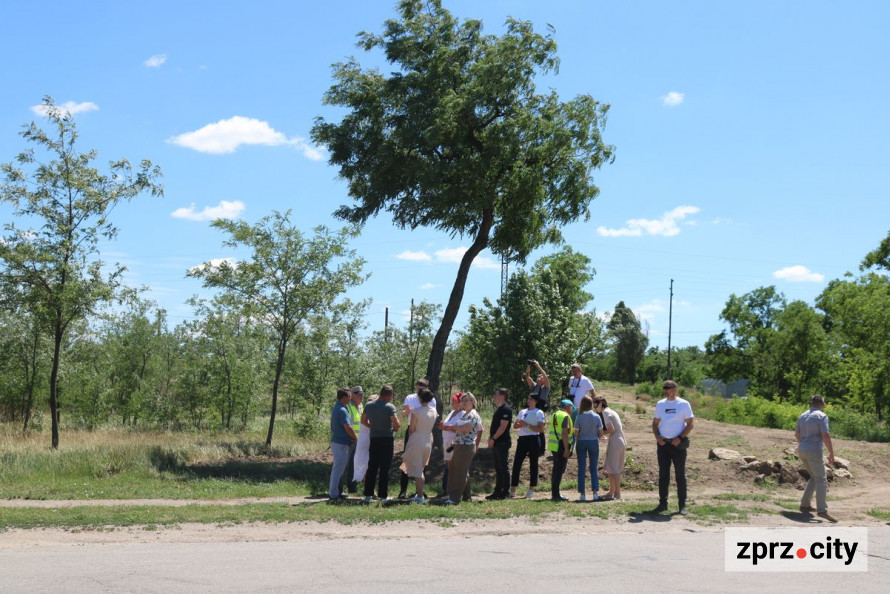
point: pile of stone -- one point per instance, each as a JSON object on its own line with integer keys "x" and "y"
{"x": 782, "y": 471}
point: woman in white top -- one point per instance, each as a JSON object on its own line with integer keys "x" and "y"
{"x": 447, "y": 427}
{"x": 468, "y": 430}
{"x": 360, "y": 460}
{"x": 530, "y": 422}
{"x": 417, "y": 452}
{"x": 617, "y": 448}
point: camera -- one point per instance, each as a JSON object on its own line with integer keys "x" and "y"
{"x": 530, "y": 361}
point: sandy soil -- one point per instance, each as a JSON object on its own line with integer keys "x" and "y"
{"x": 850, "y": 499}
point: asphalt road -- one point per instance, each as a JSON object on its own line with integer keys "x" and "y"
{"x": 688, "y": 561}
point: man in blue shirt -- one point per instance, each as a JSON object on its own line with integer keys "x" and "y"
{"x": 342, "y": 436}
{"x": 811, "y": 434}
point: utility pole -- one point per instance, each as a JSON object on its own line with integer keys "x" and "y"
{"x": 670, "y": 320}
{"x": 386, "y": 325}
{"x": 503, "y": 274}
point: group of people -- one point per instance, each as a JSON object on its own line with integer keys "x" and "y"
{"x": 363, "y": 442}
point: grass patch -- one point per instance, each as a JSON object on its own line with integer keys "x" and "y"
{"x": 881, "y": 514}
{"x": 742, "y": 497}
{"x": 117, "y": 464}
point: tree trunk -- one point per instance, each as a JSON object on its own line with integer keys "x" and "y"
{"x": 437, "y": 353}
{"x": 279, "y": 366}
{"x": 53, "y": 383}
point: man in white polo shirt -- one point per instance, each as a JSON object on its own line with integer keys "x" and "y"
{"x": 579, "y": 387}
{"x": 671, "y": 425}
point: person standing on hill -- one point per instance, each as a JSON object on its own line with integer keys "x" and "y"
{"x": 579, "y": 387}
{"x": 672, "y": 425}
{"x": 499, "y": 443}
{"x": 811, "y": 434}
{"x": 342, "y": 438}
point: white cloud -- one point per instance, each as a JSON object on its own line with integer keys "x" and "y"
{"x": 722, "y": 221}
{"x": 156, "y": 61}
{"x": 410, "y": 256}
{"x": 69, "y": 107}
{"x": 451, "y": 254}
{"x": 427, "y": 286}
{"x": 223, "y": 210}
{"x": 215, "y": 263}
{"x": 798, "y": 274}
{"x": 648, "y": 310}
{"x": 225, "y": 136}
{"x": 486, "y": 263}
{"x": 665, "y": 226}
{"x": 673, "y": 99}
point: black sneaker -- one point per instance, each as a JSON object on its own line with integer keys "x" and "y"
{"x": 559, "y": 498}
{"x": 403, "y": 495}
{"x": 659, "y": 509}
{"x": 494, "y": 497}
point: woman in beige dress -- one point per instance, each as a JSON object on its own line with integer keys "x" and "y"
{"x": 615, "y": 451}
{"x": 417, "y": 454}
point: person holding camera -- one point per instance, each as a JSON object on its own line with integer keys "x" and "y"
{"x": 540, "y": 388}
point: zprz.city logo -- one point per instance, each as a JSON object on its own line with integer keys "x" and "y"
{"x": 796, "y": 549}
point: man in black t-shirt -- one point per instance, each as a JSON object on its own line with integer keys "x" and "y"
{"x": 499, "y": 443}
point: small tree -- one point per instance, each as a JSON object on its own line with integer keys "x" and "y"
{"x": 458, "y": 139}
{"x": 287, "y": 278}
{"x": 55, "y": 264}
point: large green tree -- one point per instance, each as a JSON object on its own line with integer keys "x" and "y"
{"x": 458, "y": 138}
{"x": 55, "y": 263}
{"x": 628, "y": 340}
{"x": 287, "y": 279}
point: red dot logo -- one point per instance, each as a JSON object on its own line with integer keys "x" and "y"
{"x": 801, "y": 553}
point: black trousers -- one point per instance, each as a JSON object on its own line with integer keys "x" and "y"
{"x": 500, "y": 453}
{"x": 526, "y": 446}
{"x": 379, "y": 460}
{"x": 559, "y": 468}
{"x": 667, "y": 455}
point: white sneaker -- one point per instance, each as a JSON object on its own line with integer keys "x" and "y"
{"x": 529, "y": 494}
{"x": 582, "y": 497}
{"x": 450, "y": 502}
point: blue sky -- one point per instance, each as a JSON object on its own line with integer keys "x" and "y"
{"x": 752, "y": 139}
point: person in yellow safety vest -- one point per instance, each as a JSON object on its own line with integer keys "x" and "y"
{"x": 561, "y": 445}
{"x": 355, "y": 408}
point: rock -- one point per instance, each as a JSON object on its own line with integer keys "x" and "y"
{"x": 723, "y": 454}
{"x": 843, "y": 473}
{"x": 788, "y": 475}
{"x": 791, "y": 452}
{"x": 829, "y": 473}
{"x": 760, "y": 479}
{"x": 841, "y": 463}
{"x": 765, "y": 467}
{"x": 803, "y": 474}
{"x": 748, "y": 459}
{"x": 753, "y": 465}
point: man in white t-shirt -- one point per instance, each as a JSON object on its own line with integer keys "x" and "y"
{"x": 412, "y": 402}
{"x": 579, "y": 387}
{"x": 671, "y": 425}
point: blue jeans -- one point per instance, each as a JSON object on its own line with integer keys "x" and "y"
{"x": 341, "y": 457}
{"x": 588, "y": 451}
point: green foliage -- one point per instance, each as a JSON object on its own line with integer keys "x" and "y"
{"x": 628, "y": 340}
{"x": 53, "y": 269}
{"x": 456, "y": 138}
{"x": 287, "y": 280}
{"x": 531, "y": 321}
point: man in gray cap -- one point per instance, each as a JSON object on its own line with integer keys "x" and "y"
{"x": 355, "y": 408}
{"x": 811, "y": 434}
